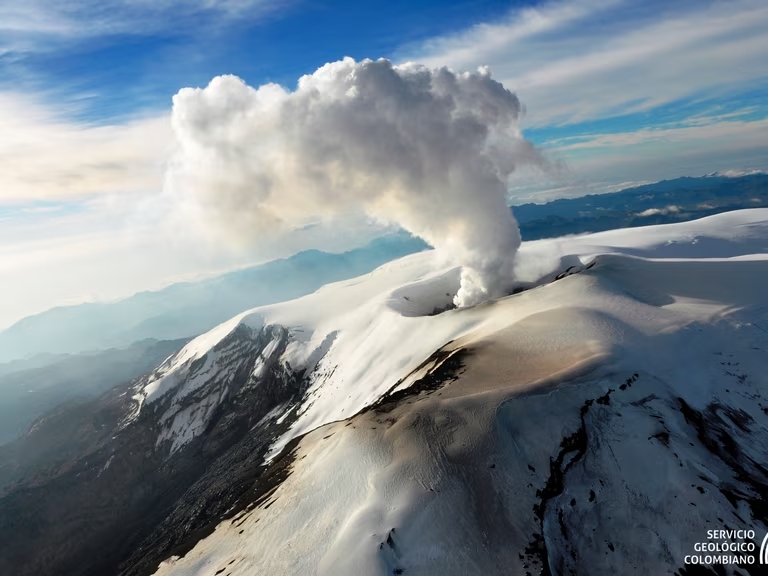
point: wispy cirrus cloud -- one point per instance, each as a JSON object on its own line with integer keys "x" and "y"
{"x": 624, "y": 92}
{"x": 598, "y": 163}
{"x": 117, "y": 58}
{"x": 698, "y": 135}
{"x": 35, "y": 24}
{"x": 579, "y": 60}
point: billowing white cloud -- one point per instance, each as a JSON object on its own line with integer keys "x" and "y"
{"x": 577, "y": 60}
{"x": 429, "y": 150}
{"x": 43, "y": 157}
{"x": 568, "y": 61}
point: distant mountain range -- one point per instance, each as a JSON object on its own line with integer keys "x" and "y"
{"x": 28, "y": 389}
{"x": 665, "y": 202}
{"x": 190, "y": 308}
{"x": 187, "y": 309}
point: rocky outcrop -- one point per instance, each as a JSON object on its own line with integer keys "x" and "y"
{"x": 142, "y": 488}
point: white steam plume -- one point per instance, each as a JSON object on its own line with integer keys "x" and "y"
{"x": 429, "y": 150}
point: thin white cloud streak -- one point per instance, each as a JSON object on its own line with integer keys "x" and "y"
{"x": 610, "y": 162}
{"x": 652, "y": 155}
{"x": 575, "y": 61}
{"x": 31, "y": 18}
{"x": 739, "y": 135}
{"x": 40, "y": 25}
{"x": 43, "y": 157}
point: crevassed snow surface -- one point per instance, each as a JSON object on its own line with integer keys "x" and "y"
{"x": 359, "y": 338}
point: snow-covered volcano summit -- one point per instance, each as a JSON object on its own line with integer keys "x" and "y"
{"x": 599, "y": 420}
{"x": 356, "y": 340}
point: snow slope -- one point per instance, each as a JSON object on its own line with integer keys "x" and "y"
{"x": 359, "y": 338}
{"x": 598, "y": 424}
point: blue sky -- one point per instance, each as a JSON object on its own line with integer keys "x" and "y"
{"x": 617, "y": 92}
{"x": 150, "y": 56}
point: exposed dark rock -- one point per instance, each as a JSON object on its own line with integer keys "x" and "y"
{"x": 127, "y": 500}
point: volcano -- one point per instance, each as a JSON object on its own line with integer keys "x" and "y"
{"x": 600, "y": 421}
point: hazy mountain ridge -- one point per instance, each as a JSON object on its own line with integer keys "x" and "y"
{"x": 31, "y": 388}
{"x": 187, "y": 309}
{"x": 665, "y": 202}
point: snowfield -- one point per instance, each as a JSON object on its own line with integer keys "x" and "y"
{"x": 598, "y": 421}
